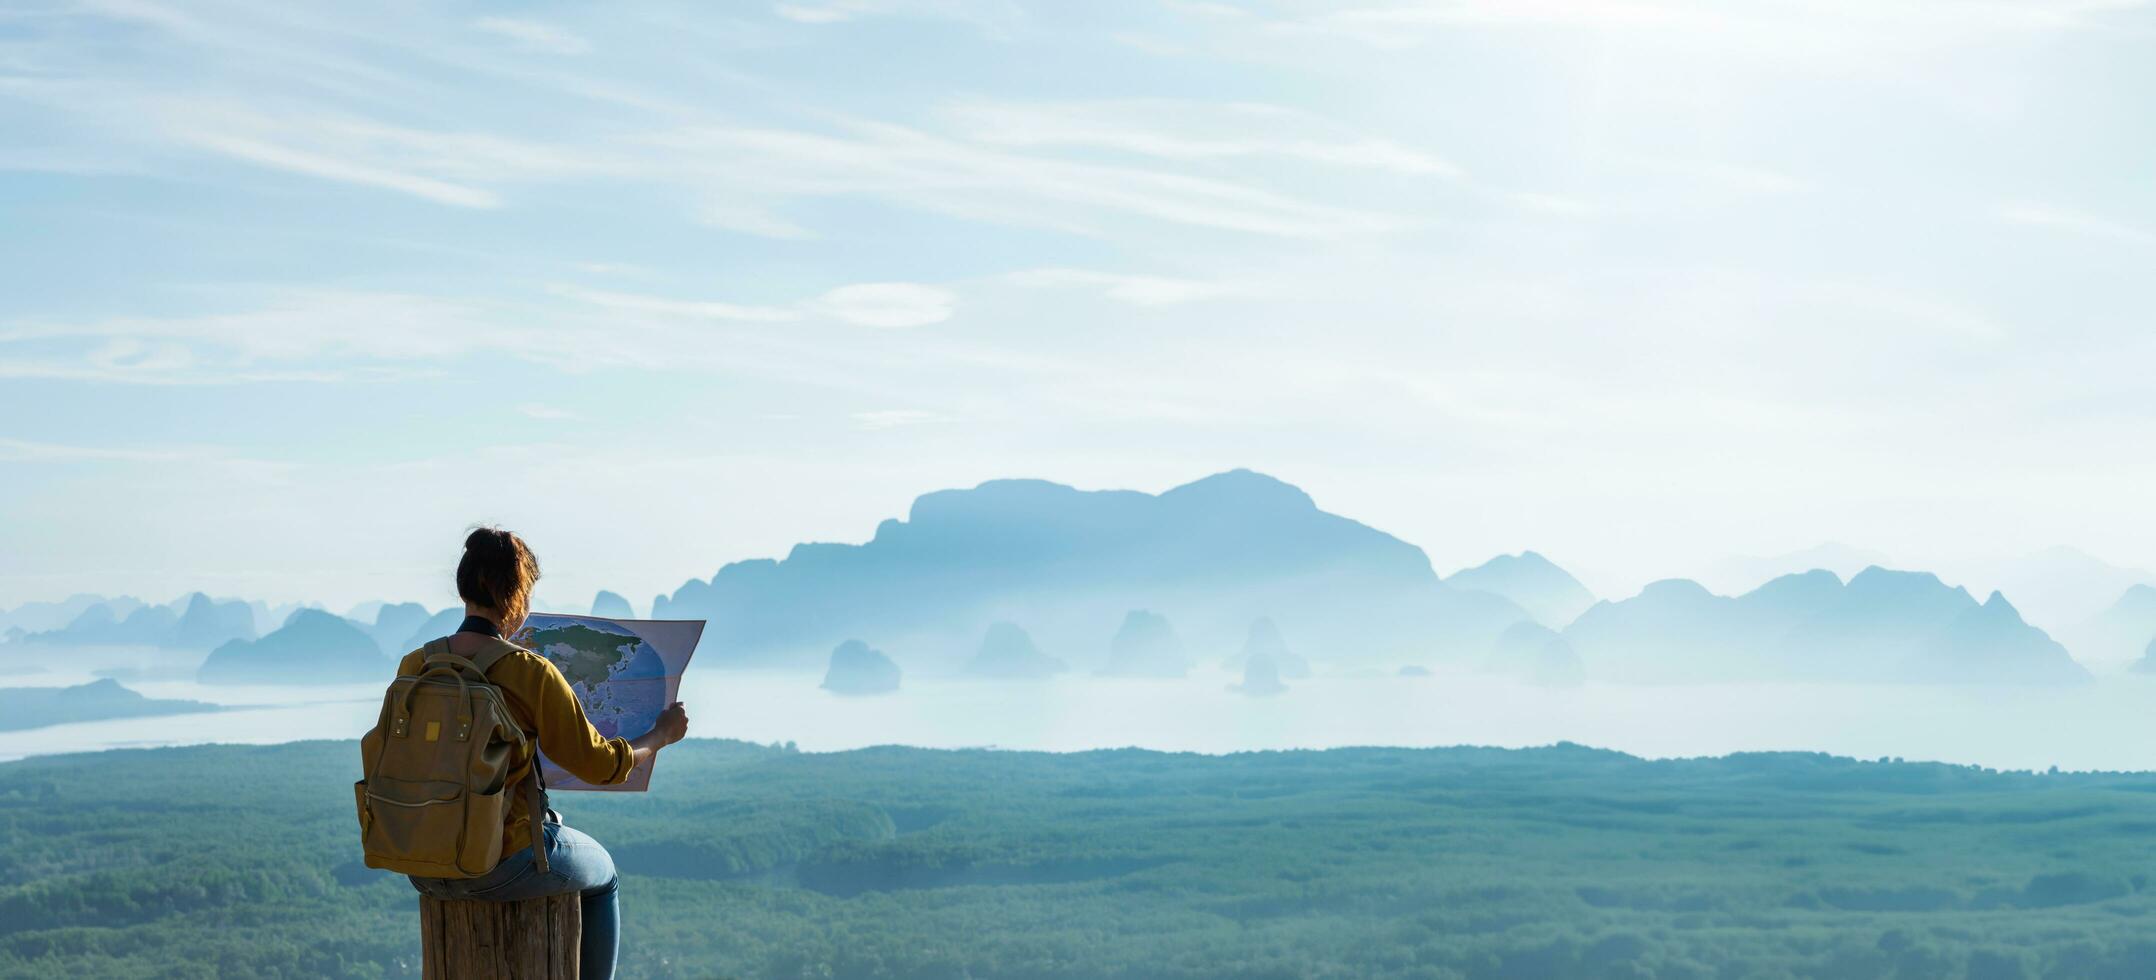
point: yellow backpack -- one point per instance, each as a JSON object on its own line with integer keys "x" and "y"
{"x": 437, "y": 763}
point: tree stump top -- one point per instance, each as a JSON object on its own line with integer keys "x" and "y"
{"x": 529, "y": 940}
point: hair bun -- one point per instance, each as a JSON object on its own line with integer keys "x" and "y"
{"x": 487, "y": 539}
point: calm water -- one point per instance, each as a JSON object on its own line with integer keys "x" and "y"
{"x": 2103, "y": 726}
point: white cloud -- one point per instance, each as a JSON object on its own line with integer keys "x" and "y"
{"x": 997, "y": 18}
{"x": 892, "y": 419}
{"x": 1732, "y": 176}
{"x": 805, "y": 14}
{"x": 533, "y": 35}
{"x": 25, "y": 451}
{"x": 547, "y": 413}
{"x": 629, "y": 269}
{"x": 697, "y": 309}
{"x": 447, "y": 167}
{"x": 2075, "y": 221}
{"x": 1137, "y": 290}
{"x": 314, "y": 165}
{"x": 888, "y": 304}
{"x": 1184, "y": 130}
{"x": 308, "y": 334}
{"x": 924, "y": 170}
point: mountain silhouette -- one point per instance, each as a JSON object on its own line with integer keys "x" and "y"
{"x": 1007, "y": 652}
{"x": 103, "y": 625}
{"x": 394, "y": 623}
{"x": 1261, "y": 675}
{"x": 1146, "y": 646}
{"x": 1213, "y": 555}
{"x": 192, "y": 622}
{"x": 611, "y": 605}
{"x": 1991, "y": 644}
{"x": 207, "y": 623}
{"x": 1549, "y": 593}
{"x": 38, "y": 617}
{"x": 1880, "y": 626}
{"x": 36, "y": 707}
{"x": 857, "y": 668}
{"x": 2057, "y": 588}
{"x": 2147, "y": 663}
{"x": 1264, "y": 640}
{"x": 1741, "y": 574}
{"x": 313, "y": 647}
{"x": 439, "y": 625}
{"x": 1533, "y": 652}
{"x": 2119, "y": 634}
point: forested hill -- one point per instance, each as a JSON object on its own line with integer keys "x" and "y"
{"x": 761, "y": 862}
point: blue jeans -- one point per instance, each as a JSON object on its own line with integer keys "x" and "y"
{"x": 575, "y": 863}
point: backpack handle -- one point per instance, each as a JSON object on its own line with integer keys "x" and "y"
{"x": 454, "y": 666}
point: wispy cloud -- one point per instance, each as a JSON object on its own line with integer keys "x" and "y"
{"x": 995, "y": 18}
{"x": 329, "y": 168}
{"x": 869, "y": 304}
{"x": 373, "y": 115}
{"x": 26, "y": 451}
{"x": 1137, "y": 290}
{"x": 533, "y": 35}
{"x": 983, "y": 183}
{"x": 888, "y": 304}
{"x": 877, "y": 421}
{"x": 802, "y": 13}
{"x": 2074, "y": 221}
{"x": 696, "y": 309}
{"x": 324, "y": 335}
{"x": 1184, "y": 130}
{"x": 303, "y": 334}
{"x": 1783, "y": 29}
{"x": 1742, "y": 178}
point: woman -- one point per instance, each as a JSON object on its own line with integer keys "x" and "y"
{"x": 495, "y": 579}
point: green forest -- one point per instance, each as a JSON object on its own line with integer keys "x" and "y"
{"x": 760, "y": 861}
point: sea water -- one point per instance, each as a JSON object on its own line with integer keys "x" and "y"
{"x": 2104, "y": 725}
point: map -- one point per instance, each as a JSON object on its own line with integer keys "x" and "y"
{"x": 625, "y": 671}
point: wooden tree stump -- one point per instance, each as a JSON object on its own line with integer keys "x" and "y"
{"x": 529, "y": 940}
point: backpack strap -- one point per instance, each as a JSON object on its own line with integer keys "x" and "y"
{"x": 535, "y": 811}
{"x": 493, "y": 654}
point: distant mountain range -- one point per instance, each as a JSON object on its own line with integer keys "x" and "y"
{"x": 306, "y": 645}
{"x": 193, "y": 622}
{"x": 1548, "y": 593}
{"x": 1029, "y": 578}
{"x": 1741, "y": 574}
{"x": 1880, "y": 626}
{"x": 1068, "y": 565}
{"x": 314, "y": 647}
{"x": 2058, "y": 588}
{"x": 2120, "y": 634}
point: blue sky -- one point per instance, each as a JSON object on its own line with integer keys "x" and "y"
{"x": 293, "y": 293}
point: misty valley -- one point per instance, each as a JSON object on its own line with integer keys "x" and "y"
{"x": 1225, "y": 614}
{"x": 1032, "y": 731}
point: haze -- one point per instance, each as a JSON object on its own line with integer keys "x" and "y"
{"x": 296, "y": 295}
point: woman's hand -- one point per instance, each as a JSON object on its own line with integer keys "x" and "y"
{"x": 674, "y": 722}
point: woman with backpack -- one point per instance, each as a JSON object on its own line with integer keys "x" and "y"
{"x": 531, "y": 709}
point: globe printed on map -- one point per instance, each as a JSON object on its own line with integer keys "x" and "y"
{"x": 620, "y": 679}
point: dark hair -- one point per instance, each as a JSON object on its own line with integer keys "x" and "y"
{"x": 497, "y": 573}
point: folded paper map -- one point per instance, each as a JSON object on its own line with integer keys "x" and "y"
{"x": 626, "y": 671}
